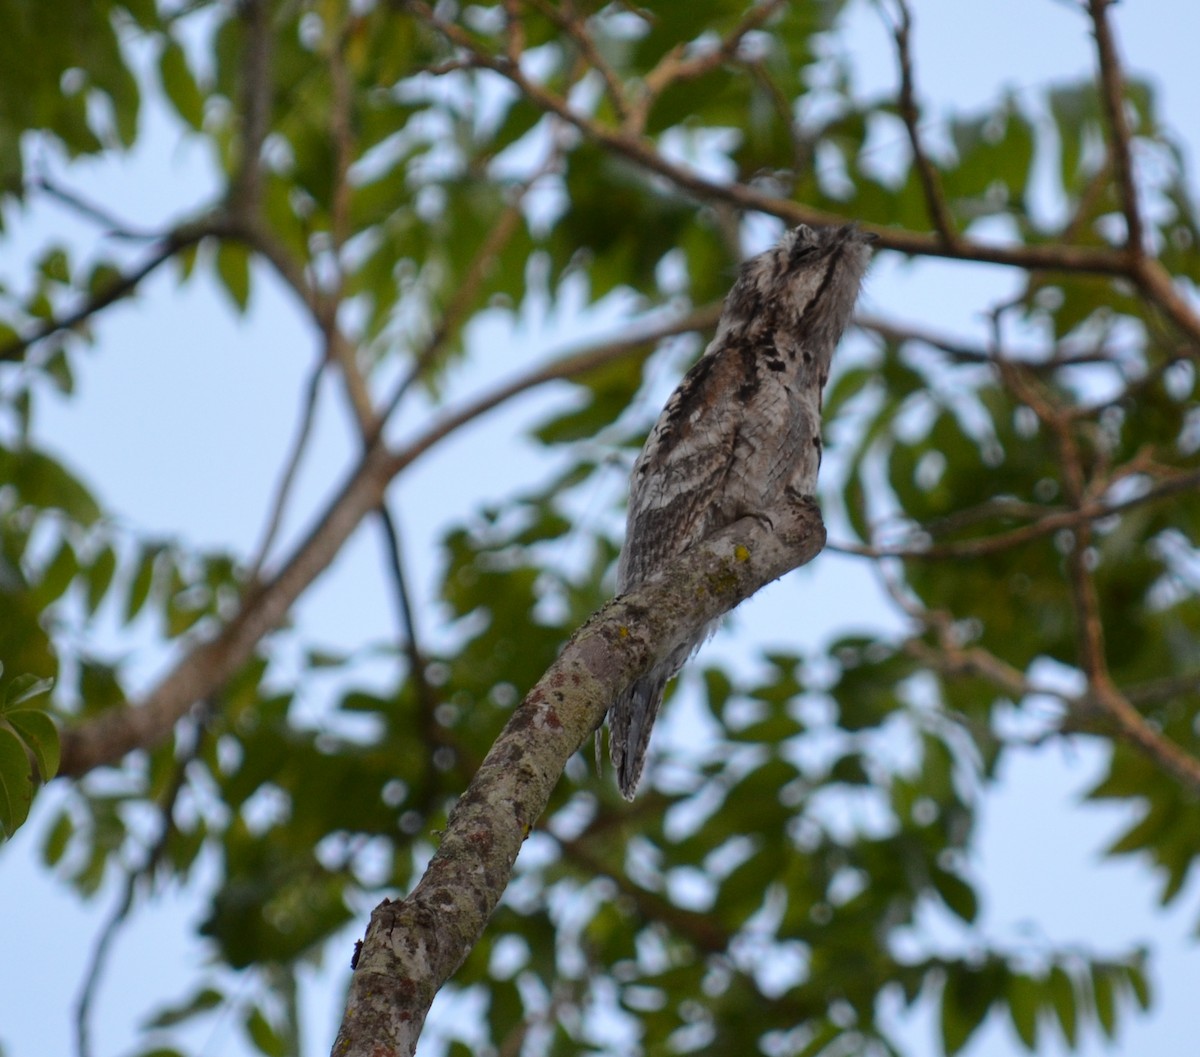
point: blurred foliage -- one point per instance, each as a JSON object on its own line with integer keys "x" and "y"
{"x": 774, "y": 892}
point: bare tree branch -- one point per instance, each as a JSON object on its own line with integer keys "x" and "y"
{"x": 1131, "y": 727}
{"x": 1101, "y": 710}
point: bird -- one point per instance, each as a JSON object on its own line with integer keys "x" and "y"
{"x": 741, "y": 431}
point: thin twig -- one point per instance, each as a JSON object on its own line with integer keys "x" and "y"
{"x": 427, "y": 697}
{"x": 1091, "y": 511}
{"x": 955, "y": 661}
{"x": 1132, "y": 728}
{"x": 1089, "y": 201}
{"x": 341, "y": 131}
{"x": 114, "y": 226}
{"x": 1112, "y": 87}
{"x": 1089, "y": 627}
{"x": 1102, "y": 709}
{"x": 105, "y": 938}
{"x": 935, "y": 199}
{"x": 703, "y": 931}
{"x": 1166, "y": 689}
{"x": 673, "y": 68}
{"x": 580, "y": 363}
{"x": 964, "y": 353}
{"x": 120, "y": 287}
{"x": 1102, "y": 695}
{"x": 368, "y": 421}
{"x": 283, "y": 488}
{"x": 506, "y": 226}
{"x": 573, "y": 23}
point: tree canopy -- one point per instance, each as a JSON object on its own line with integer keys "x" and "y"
{"x": 420, "y": 178}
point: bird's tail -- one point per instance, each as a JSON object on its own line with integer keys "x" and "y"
{"x": 630, "y": 721}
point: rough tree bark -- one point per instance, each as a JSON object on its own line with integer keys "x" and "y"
{"x": 413, "y": 946}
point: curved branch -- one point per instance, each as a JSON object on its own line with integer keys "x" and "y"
{"x": 412, "y": 947}
{"x": 125, "y": 284}
{"x": 1048, "y": 257}
{"x": 1112, "y": 261}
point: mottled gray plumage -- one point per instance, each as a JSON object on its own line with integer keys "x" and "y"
{"x": 742, "y": 429}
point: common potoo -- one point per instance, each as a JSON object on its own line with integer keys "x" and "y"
{"x": 742, "y": 429}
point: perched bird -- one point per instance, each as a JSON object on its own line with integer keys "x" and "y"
{"x": 742, "y": 429}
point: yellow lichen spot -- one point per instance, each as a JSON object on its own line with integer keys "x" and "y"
{"x": 622, "y": 631}
{"x": 741, "y": 552}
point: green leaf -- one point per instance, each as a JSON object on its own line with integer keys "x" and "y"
{"x": 180, "y": 85}
{"x": 233, "y": 269}
{"x": 1064, "y": 1003}
{"x": 1024, "y": 995}
{"x": 40, "y": 735}
{"x": 265, "y": 1038}
{"x": 203, "y": 1001}
{"x": 103, "y": 277}
{"x": 55, "y": 266}
{"x": 966, "y": 999}
{"x": 16, "y": 782}
{"x": 57, "y": 839}
{"x": 57, "y": 575}
{"x": 956, "y": 894}
{"x": 321, "y": 658}
{"x": 143, "y": 580}
{"x": 1136, "y": 977}
{"x": 57, "y": 368}
{"x": 99, "y": 577}
{"x": 1104, "y": 998}
{"x": 24, "y": 688}
{"x": 608, "y": 391}
{"x": 845, "y": 387}
{"x": 44, "y": 483}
